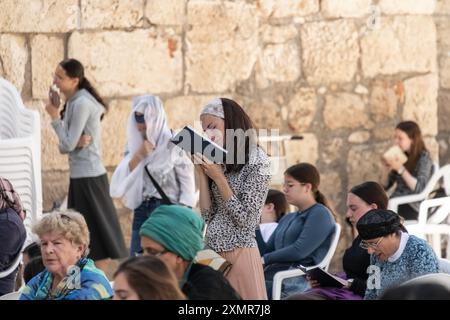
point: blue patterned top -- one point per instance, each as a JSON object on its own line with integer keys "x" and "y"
{"x": 417, "y": 259}
{"x": 89, "y": 284}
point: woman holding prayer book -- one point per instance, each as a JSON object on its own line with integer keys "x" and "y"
{"x": 232, "y": 194}
{"x": 410, "y": 177}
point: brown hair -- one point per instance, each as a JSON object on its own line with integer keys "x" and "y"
{"x": 307, "y": 173}
{"x": 371, "y": 192}
{"x": 412, "y": 129}
{"x": 279, "y": 201}
{"x": 74, "y": 69}
{"x": 151, "y": 278}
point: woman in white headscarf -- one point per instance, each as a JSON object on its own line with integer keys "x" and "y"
{"x": 149, "y": 145}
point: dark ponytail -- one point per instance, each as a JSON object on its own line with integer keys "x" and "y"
{"x": 307, "y": 173}
{"x": 74, "y": 69}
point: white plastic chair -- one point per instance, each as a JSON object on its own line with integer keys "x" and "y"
{"x": 432, "y": 227}
{"x": 11, "y": 296}
{"x": 324, "y": 264}
{"x": 438, "y": 174}
{"x": 20, "y": 151}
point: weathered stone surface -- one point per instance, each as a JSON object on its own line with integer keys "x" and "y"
{"x": 330, "y": 51}
{"x": 407, "y": 6}
{"x": 383, "y": 133}
{"x": 442, "y": 7}
{"x": 331, "y": 186}
{"x": 185, "y": 110}
{"x": 55, "y": 186}
{"x": 51, "y": 158}
{"x": 265, "y": 113}
{"x": 421, "y": 102}
{"x": 99, "y": 14}
{"x": 383, "y": 102}
{"x": 444, "y": 111}
{"x": 278, "y": 34}
{"x": 344, "y": 110}
{"x": 305, "y": 150}
{"x": 347, "y": 9}
{"x": 443, "y": 30}
{"x": 433, "y": 147}
{"x": 359, "y": 137}
{"x": 332, "y": 150}
{"x": 46, "y": 53}
{"x": 148, "y": 64}
{"x": 166, "y": 12}
{"x": 364, "y": 164}
{"x": 287, "y": 8}
{"x": 114, "y": 132}
{"x": 38, "y": 15}
{"x": 302, "y": 109}
{"x": 360, "y": 89}
{"x": 444, "y": 71}
{"x": 279, "y": 63}
{"x": 226, "y": 31}
{"x": 394, "y": 47}
{"x": 13, "y": 59}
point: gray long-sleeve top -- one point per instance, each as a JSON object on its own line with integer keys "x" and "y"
{"x": 82, "y": 117}
{"x": 302, "y": 237}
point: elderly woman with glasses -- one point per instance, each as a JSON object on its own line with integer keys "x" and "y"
{"x": 396, "y": 256}
{"x": 68, "y": 274}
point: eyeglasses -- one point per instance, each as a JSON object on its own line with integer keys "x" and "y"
{"x": 150, "y": 253}
{"x": 366, "y": 245}
{"x": 139, "y": 118}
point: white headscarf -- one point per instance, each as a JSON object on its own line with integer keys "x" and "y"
{"x": 215, "y": 108}
{"x": 129, "y": 185}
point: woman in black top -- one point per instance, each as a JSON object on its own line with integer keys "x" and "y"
{"x": 361, "y": 199}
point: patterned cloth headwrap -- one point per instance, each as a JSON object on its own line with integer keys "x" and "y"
{"x": 215, "y": 108}
{"x": 9, "y": 197}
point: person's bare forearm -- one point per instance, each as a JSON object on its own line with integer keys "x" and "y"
{"x": 134, "y": 162}
{"x": 224, "y": 188}
{"x": 205, "y": 197}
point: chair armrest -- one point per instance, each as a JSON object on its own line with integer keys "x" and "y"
{"x": 278, "y": 281}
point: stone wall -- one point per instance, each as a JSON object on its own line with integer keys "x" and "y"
{"x": 341, "y": 73}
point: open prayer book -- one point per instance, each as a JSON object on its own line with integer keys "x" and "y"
{"x": 325, "y": 278}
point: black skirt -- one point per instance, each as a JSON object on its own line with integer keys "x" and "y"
{"x": 90, "y": 197}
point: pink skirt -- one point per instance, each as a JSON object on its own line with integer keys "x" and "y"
{"x": 247, "y": 274}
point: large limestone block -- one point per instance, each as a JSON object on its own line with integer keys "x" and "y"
{"x": 99, "y": 14}
{"x": 345, "y": 110}
{"x": 55, "y": 185}
{"x": 13, "y": 59}
{"x": 407, "y": 6}
{"x": 46, "y": 53}
{"x": 444, "y": 71}
{"x": 264, "y": 112}
{"x": 383, "y": 102}
{"x": 278, "y": 63}
{"x": 399, "y": 44}
{"x": 443, "y": 32}
{"x": 345, "y": 9}
{"x": 166, "y": 12}
{"x": 129, "y": 63}
{"x": 302, "y": 109}
{"x": 38, "y": 15}
{"x": 442, "y": 7}
{"x": 222, "y": 44}
{"x": 421, "y": 102}
{"x": 444, "y": 111}
{"x": 433, "y": 147}
{"x": 114, "y": 132}
{"x": 278, "y": 34}
{"x": 287, "y": 8}
{"x": 330, "y": 51}
{"x": 363, "y": 163}
{"x": 332, "y": 150}
{"x": 305, "y": 150}
{"x": 331, "y": 187}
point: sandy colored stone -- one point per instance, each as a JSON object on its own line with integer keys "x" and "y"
{"x": 407, "y": 6}
{"x": 166, "y": 12}
{"x": 148, "y": 64}
{"x": 305, "y": 150}
{"x": 226, "y": 31}
{"x": 265, "y": 113}
{"x": 443, "y": 31}
{"x": 359, "y": 137}
{"x": 278, "y": 34}
{"x": 345, "y": 9}
{"x": 46, "y": 53}
{"x": 383, "y": 133}
{"x": 442, "y": 7}
{"x": 13, "y": 59}
{"x": 360, "y": 89}
{"x": 287, "y": 8}
{"x": 185, "y": 110}
{"x": 364, "y": 164}
{"x": 106, "y": 14}
{"x": 394, "y": 47}
{"x": 421, "y": 102}
{"x": 332, "y": 150}
{"x": 444, "y": 71}
{"x": 330, "y": 51}
{"x": 433, "y": 147}
{"x": 114, "y": 132}
{"x": 55, "y": 186}
{"x": 279, "y": 63}
{"x": 444, "y": 111}
{"x": 344, "y": 110}
{"x": 302, "y": 109}
{"x": 35, "y": 16}
{"x": 331, "y": 186}
{"x": 383, "y": 102}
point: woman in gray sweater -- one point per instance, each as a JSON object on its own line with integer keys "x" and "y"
{"x": 79, "y": 134}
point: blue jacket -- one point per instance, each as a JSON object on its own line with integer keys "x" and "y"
{"x": 302, "y": 237}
